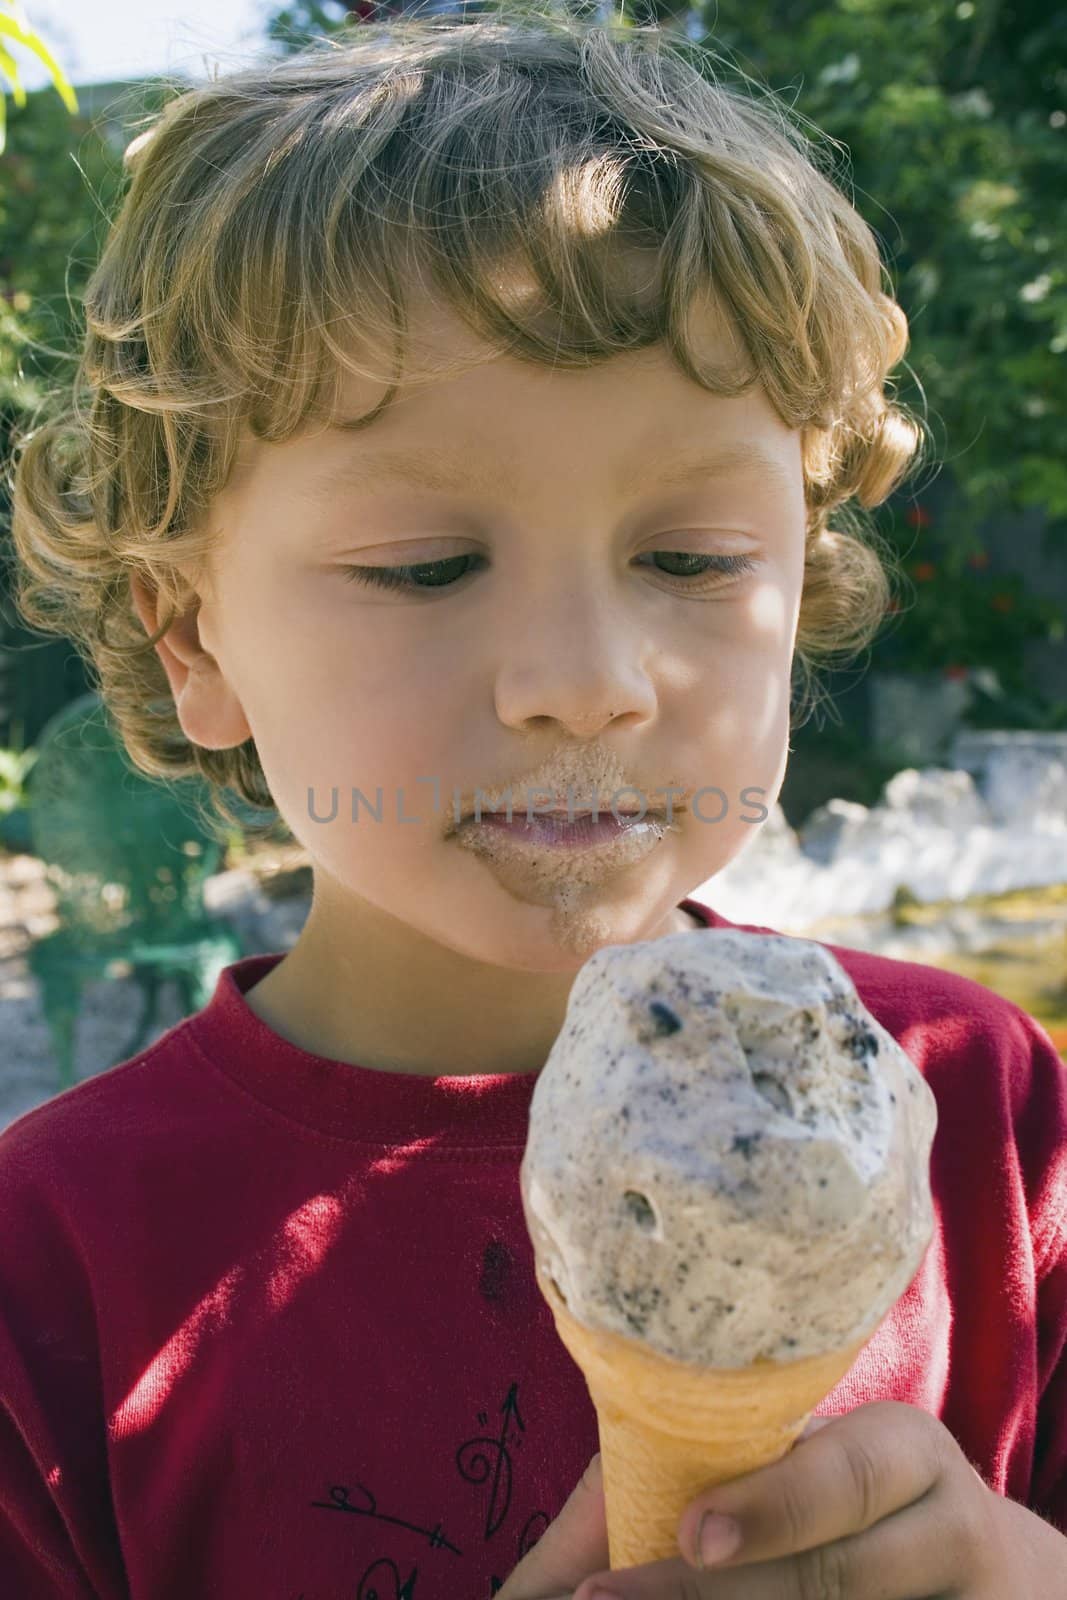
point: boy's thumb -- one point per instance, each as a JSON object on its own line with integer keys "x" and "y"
{"x": 570, "y": 1548}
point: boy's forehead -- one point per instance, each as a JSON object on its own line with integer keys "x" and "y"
{"x": 441, "y": 347}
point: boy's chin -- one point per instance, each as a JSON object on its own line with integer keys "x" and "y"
{"x": 559, "y": 938}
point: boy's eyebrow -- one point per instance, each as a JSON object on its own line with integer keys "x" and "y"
{"x": 441, "y": 470}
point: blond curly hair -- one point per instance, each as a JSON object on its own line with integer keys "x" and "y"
{"x": 272, "y": 219}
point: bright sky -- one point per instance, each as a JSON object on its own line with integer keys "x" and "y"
{"x": 100, "y": 40}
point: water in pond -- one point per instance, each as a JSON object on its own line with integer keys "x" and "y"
{"x": 1014, "y": 944}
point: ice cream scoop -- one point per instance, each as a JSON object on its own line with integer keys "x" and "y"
{"x": 726, "y": 1182}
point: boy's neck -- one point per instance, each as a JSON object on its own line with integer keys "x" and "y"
{"x": 383, "y": 997}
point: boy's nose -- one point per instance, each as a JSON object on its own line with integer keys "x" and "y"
{"x": 581, "y": 660}
{"x": 580, "y": 706}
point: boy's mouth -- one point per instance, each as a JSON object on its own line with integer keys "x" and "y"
{"x": 562, "y": 813}
{"x": 556, "y": 830}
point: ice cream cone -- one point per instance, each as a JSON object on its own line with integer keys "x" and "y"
{"x": 669, "y": 1430}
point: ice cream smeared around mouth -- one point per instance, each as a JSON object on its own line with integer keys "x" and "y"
{"x": 728, "y": 1156}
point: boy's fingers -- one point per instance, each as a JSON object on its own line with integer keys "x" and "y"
{"x": 838, "y": 1481}
{"x": 815, "y": 1424}
{"x": 571, "y": 1547}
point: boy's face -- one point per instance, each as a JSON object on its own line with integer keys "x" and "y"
{"x": 561, "y": 653}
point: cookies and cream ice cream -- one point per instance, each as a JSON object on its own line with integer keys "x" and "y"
{"x": 728, "y": 1156}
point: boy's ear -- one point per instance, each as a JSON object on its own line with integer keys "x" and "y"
{"x": 208, "y": 709}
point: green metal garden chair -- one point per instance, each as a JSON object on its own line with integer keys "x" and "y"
{"x": 127, "y": 859}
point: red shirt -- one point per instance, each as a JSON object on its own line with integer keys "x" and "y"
{"x": 269, "y": 1328}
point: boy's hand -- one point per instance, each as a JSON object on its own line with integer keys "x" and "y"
{"x": 880, "y": 1502}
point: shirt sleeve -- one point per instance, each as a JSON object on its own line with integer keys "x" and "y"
{"x": 1047, "y": 1125}
{"x": 58, "y": 1535}
{"x": 1048, "y": 1495}
{"x": 38, "y": 1559}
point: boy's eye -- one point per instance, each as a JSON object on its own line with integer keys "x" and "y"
{"x": 426, "y": 575}
{"x": 440, "y": 574}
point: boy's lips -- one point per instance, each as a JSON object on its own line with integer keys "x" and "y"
{"x": 554, "y": 831}
{"x": 603, "y": 809}
{"x": 631, "y": 808}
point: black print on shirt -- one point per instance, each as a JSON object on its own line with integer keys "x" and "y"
{"x": 383, "y": 1571}
{"x": 532, "y": 1531}
{"x": 479, "y": 1460}
{"x": 481, "y": 1456}
{"x": 382, "y": 1582}
{"x": 339, "y": 1501}
{"x": 535, "y": 1527}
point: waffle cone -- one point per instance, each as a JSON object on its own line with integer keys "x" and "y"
{"x": 669, "y": 1430}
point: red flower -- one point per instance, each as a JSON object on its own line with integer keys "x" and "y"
{"x": 917, "y": 517}
{"x": 979, "y": 560}
{"x": 1003, "y": 602}
{"x": 924, "y": 571}
{"x": 956, "y": 672}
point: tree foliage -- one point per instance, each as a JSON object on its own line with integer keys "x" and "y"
{"x": 58, "y": 177}
{"x": 953, "y": 118}
{"x": 15, "y": 29}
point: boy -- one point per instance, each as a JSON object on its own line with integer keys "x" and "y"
{"x": 466, "y": 408}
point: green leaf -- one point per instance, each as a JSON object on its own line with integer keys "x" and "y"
{"x": 34, "y": 43}
{"x": 10, "y": 66}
